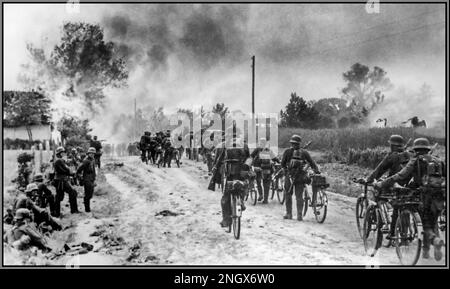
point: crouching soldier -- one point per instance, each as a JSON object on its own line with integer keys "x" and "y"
{"x": 87, "y": 170}
{"x": 39, "y": 215}
{"x": 24, "y": 234}
{"x": 427, "y": 173}
{"x": 44, "y": 197}
{"x": 62, "y": 173}
{"x": 294, "y": 161}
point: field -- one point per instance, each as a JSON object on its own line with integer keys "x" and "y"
{"x": 10, "y": 165}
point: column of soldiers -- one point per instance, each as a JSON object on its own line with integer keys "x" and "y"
{"x": 159, "y": 149}
{"x": 36, "y": 208}
{"x": 414, "y": 169}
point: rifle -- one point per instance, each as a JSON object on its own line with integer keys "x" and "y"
{"x": 215, "y": 172}
{"x": 307, "y": 145}
{"x": 433, "y": 148}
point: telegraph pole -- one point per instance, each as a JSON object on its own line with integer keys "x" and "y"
{"x": 253, "y": 96}
{"x": 135, "y": 121}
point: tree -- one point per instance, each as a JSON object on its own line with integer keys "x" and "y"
{"x": 82, "y": 64}
{"x": 26, "y": 108}
{"x": 74, "y": 128}
{"x": 299, "y": 113}
{"x": 364, "y": 86}
{"x": 330, "y": 110}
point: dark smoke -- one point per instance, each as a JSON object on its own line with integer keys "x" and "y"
{"x": 201, "y": 35}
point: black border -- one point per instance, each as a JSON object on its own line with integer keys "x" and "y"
{"x": 233, "y": 267}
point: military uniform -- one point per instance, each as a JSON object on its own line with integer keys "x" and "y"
{"x": 392, "y": 163}
{"x": 144, "y": 146}
{"x": 98, "y": 147}
{"x": 25, "y": 235}
{"x": 433, "y": 198}
{"x": 87, "y": 169}
{"x": 263, "y": 170}
{"x": 62, "y": 173}
{"x": 298, "y": 176}
{"x": 234, "y": 159}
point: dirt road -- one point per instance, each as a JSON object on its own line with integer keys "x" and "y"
{"x": 166, "y": 216}
{"x": 192, "y": 235}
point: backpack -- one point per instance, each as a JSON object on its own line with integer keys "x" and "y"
{"x": 264, "y": 157}
{"x": 431, "y": 171}
{"x": 297, "y": 161}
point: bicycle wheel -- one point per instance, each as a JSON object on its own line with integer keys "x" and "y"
{"x": 252, "y": 190}
{"x": 408, "y": 232}
{"x": 320, "y": 206}
{"x": 281, "y": 196}
{"x": 442, "y": 221}
{"x": 273, "y": 187}
{"x": 236, "y": 216}
{"x": 361, "y": 208}
{"x": 306, "y": 201}
{"x": 372, "y": 235}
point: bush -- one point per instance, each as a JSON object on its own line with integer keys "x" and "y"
{"x": 368, "y": 158}
{"x": 11, "y": 144}
{"x": 340, "y": 141}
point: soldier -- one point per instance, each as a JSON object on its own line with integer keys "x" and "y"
{"x": 392, "y": 164}
{"x": 87, "y": 170}
{"x": 427, "y": 172}
{"x": 293, "y": 161}
{"x": 24, "y": 234}
{"x": 72, "y": 161}
{"x": 81, "y": 153}
{"x": 233, "y": 156}
{"x": 45, "y": 197}
{"x": 144, "y": 145}
{"x": 98, "y": 148}
{"x": 262, "y": 157}
{"x": 62, "y": 174}
{"x": 40, "y": 215}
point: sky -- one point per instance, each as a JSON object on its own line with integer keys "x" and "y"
{"x": 195, "y": 54}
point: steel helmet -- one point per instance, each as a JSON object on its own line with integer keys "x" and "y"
{"x": 421, "y": 143}
{"x": 79, "y": 149}
{"x": 60, "y": 150}
{"x": 397, "y": 140}
{"x": 31, "y": 187}
{"x": 295, "y": 139}
{"x": 91, "y": 150}
{"x": 38, "y": 178}
{"x": 73, "y": 150}
{"x": 22, "y": 214}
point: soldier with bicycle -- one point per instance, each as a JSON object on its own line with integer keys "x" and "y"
{"x": 233, "y": 156}
{"x": 262, "y": 162}
{"x": 425, "y": 173}
{"x": 392, "y": 163}
{"x": 293, "y": 162}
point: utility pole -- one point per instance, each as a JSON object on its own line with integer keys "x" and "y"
{"x": 253, "y": 97}
{"x": 135, "y": 121}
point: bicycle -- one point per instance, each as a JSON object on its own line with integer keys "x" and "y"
{"x": 277, "y": 184}
{"x": 362, "y": 202}
{"x": 252, "y": 191}
{"x": 320, "y": 199}
{"x": 408, "y": 227}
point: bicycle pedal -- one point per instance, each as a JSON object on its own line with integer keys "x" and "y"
{"x": 317, "y": 213}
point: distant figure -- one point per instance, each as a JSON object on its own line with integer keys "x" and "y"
{"x": 415, "y": 122}
{"x": 380, "y": 120}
